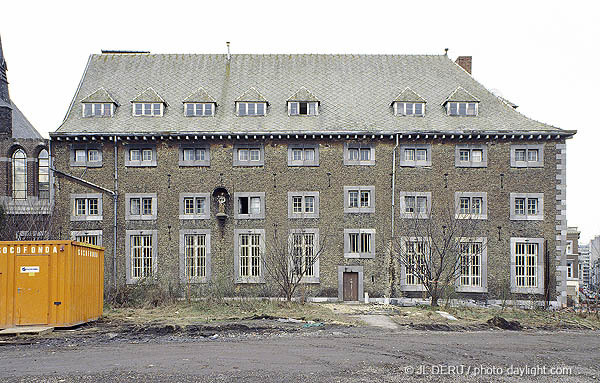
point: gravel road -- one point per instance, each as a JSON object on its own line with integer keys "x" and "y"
{"x": 323, "y": 354}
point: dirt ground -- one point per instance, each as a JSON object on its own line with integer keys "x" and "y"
{"x": 124, "y": 348}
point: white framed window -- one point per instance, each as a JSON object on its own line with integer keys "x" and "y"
{"x": 140, "y": 206}
{"x": 359, "y": 154}
{"x": 462, "y": 108}
{"x": 194, "y": 205}
{"x": 89, "y": 155}
{"x": 359, "y": 243}
{"x": 359, "y": 199}
{"x": 140, "y": 155}
{"x": 93, "y": 237}
{"x": 148, "y": 109}
{"x": 305, "y": 258}
{"x": 470, "y": 205}
{"x": 303, "y": 155}
{"x": 472, "y": 265}
{"x": 249, "y": 205}
{"x": 527, "y": 206}
{"x": 527, "y": 265}
{"x": 303, "y": 204}
{"x": 194, "y": 155}
{"x": 416, "y": 109}
{"x": 43, "y": 174}
{"x": 569, "y": 247}
{"x": 527, "y": 155}
{"x": 248, "y": 154}
{"x": 251, "y": 108}
{"x": 97, "y": 109}
{"x": 194, "y": 255}
{"x": 415, "y": 204}
{"x": 570, "y": 269}
{"x": 415, "y": 155}
{"x": 19, "y": 174}
{"x": 199, "y": 109}
{"x": 415, "y": 253}
{"x": 86, "y": 207}
{"x": 303, "y": 108}
{"x": 470, "y": 156}
{"x": 141, "y": 255}
{"x": 249, "y": 245}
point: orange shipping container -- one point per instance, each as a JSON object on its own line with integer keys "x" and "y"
{"x": 53, "y": 283}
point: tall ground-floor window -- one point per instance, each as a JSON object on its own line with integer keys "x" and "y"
{"x": 471, "y": 264}
{"x": 141, "y": 256}
{"x": 195, "y": 256}
{"x": 415, "y": 253}
{"x": 526, "y": 264}
{"x": 304, "y": 253}
{"x": 250, "y": 257}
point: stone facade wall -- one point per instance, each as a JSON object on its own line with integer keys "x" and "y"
{"x": 275, "y": 179}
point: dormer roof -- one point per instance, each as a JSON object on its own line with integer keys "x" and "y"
{"x": 303, "y": 94}
{"x": 409, "y": 95}
{"x": 251, "y": 95}
{"x": 101, "y": 95}
{"x": 200, "y": 95}
{"x": 460, "y": 94}
{"x": 149, "y": 95}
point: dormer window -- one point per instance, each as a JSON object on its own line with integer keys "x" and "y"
{"x": 98, "y": 109}
{"x": 409, "y": 109}
{"x": 251, "y": 108}
{"x": 199, "y": 109}
{"x": 147, "y": 109}
{"x": 303, "y": 108}
{"x": 462, "y": 108}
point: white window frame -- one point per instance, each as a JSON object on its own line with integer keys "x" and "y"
{"x": 141, "y": 162}
{"x": 86, "y": 162}
{"x": 87, "y": 197}
{"x": 405, "y": 214}
{"x": 359, "y": 209}
{"x": 128, "y": 256}
{"x": 152, "y": 109}
{"x": 236, "y": 259}
{"x": 195, "y": 162}
{"x": 140, "y": 217}
{"x": 195, "y": 196}
{"x": 360, "y": 146}
{"x": 291, "y": 108}
{"x": 527, "y": 164}
{"x": 183, "y": 258}
{"x": 236, "y": 205}
{"x": 96, "y": 105}
{"x": 303, "y": 162}
{"x": 415, "y": 162}
{"x": 88, "y": 233}
{"x": 527, "y": 217}
{"x": 483, "y": 287}
{"x": 255, "y": 107}
{"x": 458, "y": 104}
{"x": 400, "y": 108}
{"x": 470, "y": 163}
{"x": 362, "y": 255}
{"x": 316, "y": 247}
{"x": 256, "y": 146}
{"x": 303, "y": 195}
{"x": 484, "y": 208}
{"x": 199, "y": 106}
{"x": 404, "y": 285}
{"x": 539, "y": 288}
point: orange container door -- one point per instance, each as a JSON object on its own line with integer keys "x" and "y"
{"x": 31, "y": 294}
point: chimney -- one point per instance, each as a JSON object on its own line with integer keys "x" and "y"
{"x": 228, "y": 51}
{"x": 465, "y": 62}
{"x": 5, "y": 104}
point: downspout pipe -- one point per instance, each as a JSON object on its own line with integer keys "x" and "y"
{"x": 394, "y": 183}
{"x": 115, "y": 198}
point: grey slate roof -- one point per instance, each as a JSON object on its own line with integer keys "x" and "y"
{"x": 100, "y": 95}
{"x": 355, "y": 92}
{"x": 200, "y": 95}
{"x": 22, "y": 128}
{"x": 148, "y": 95}
{"x": 461, "y": 95}
{"x": 409, "y": 95}
{"x": 303, "y": 94}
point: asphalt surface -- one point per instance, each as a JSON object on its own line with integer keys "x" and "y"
{"x": 323, "y": 354}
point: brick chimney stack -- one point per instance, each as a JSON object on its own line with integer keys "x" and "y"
{"x": 466, "y": 62}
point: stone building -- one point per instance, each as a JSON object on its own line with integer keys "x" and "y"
{"x": 25, "y": 193}
{"x": 186, "y": 166}
{"x": 572, "y": 250}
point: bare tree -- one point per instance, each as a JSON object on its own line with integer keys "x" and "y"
{"x": 291, "y": 258}
{"x": 26, "y": 220}
{"x": 440, "y": 245}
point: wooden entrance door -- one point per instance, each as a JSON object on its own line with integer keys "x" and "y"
{"x": 350, "y": 286}
{"x": 31, "y": 283}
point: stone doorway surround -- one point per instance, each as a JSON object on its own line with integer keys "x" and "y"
{"x": 350, "y": 269}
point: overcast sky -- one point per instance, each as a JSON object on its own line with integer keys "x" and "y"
{"x": 541, "y": 55}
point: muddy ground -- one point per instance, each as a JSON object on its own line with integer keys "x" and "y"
{"x": 267, "y": 350}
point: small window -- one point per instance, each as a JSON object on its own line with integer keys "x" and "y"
{"x": 140, "y": 156}
{"x": 199, "y": 109}
{"x": 359, "y": 154}
{"x": 415, "y": 155}
{"x": 462, "y": 108}
{"x": 194, "y": 205}
{"x": 303, "y": 108}
{"x": 527, "y": 156}
{"x": 86, "y": 155}
{"x": 98, "y": 109}
{"x": 303, "y": 155}
{"x": 359, "y": 199}
{"x": 194, "y": 155}
{"x": 251, "y": 108}
{"x": 409, "y": 108}
{"x": 92, "y": 237}
{"x": 140, "y": 206}
{"x": 86, "y": 207}
{"x": 415, "y": 204}
{"x": 303, "y": 204}
{"x": 471, "y": 205}
{"x": 249, "y": 205}
{"x": 359, "y": 243}
{"x": 248, "y": 155}
{"x": 527, "y": 206}
{"x": 148, "y": 109}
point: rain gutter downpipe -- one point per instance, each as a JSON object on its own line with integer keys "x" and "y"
{"x": 394, "y": 184}
{"x": 115, "y": 197}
